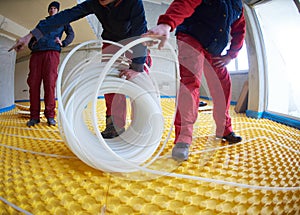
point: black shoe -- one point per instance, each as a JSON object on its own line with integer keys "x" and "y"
{"x": 232, "y": 138}
{"x": 51, "y": 121}
{"x": 32, "y": 122}
{"x": 202, "y": 104}
{"x": 180, "y": 151}
{"x": 111, "y": 132}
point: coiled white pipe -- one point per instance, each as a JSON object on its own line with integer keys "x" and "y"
{"x": 134, "y": 149}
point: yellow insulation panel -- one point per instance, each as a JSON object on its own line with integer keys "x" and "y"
{"x": 261, "y": 175}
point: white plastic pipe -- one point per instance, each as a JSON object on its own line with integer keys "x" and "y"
{"x": 134, "y": 149}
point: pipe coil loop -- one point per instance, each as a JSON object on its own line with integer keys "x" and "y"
{"x": 79, "y": 89}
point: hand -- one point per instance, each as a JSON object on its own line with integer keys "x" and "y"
{"x": 57, "y": 40}
{"x": 161, "y": 32}
{"x": 221, "y": 61}
{"x": 21, "y": 43}
{"x": 128, "y": 74}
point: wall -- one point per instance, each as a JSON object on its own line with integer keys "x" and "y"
{"x": 238, "y": 81}
{"x": 22, "y": 70}
{"x": 7, "y": 62}
{"x": 163, "y": 72}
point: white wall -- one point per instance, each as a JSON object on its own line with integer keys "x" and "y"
{"x": 163, "y": 72}
{"x": 22, "y": 70}
{"x": 7, "y": 68}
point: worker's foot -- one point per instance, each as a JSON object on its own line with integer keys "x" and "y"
{"x": 180, "y": 151}
{"x": 231, "y": 138}
{"x": 32, "y": 122}
{"x": 202, "y": 104}
{"x": 51, "y": 121}
{"x": 111, "y": 130}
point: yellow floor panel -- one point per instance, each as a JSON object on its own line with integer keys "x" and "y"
{"x": 260, "y": 175}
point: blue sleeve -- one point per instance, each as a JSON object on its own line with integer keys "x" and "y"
{"x": 70, "y": 35}
{"x": 138, "y": 27}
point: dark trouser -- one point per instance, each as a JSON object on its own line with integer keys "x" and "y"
{"x": 43, "y": 67}
{"x": 194, "y": 59}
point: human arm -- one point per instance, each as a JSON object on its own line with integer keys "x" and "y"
{"x": 57, "y": 40}
{"x": 238, "y": 32}
{"x": 128, "y": 74}
{"x": 221, "y": 61}
{"x": 161, "y": 32}
{"x": 21, "y": 43}
{"x": 138, "y": 27}
{"x": 70, "y": 35}
{"x": 175, "y": 14}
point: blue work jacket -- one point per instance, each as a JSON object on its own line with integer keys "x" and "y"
{"x": 211, "y": 22}
{"x": 47, "y": 42}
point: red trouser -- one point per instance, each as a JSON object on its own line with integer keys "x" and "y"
{"x": 43, "y": 67}
{"x": 194, "y": 59}
{"x": 116, "y": 103}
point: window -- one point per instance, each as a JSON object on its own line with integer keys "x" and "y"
{"x": 239, "y": 64}
{"x": 280, "y": 21}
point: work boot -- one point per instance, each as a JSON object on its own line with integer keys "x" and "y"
{"x": 202, "y": 104}
{"x": 32, "y": 122}
{"x": 231, "y": 138}
{"x": 111, "y": 130}
{"x": 180, "y": 151}
{"x": 51, "y": 121}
